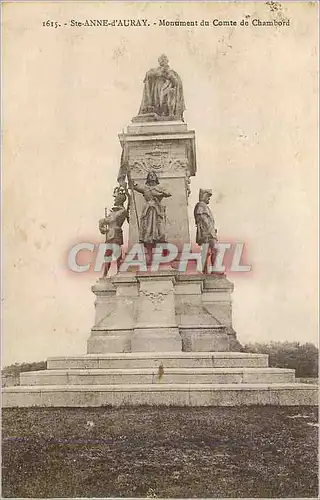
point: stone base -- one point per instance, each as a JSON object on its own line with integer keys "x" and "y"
{"x": 156, "y": 127}
{"x": 154, "y": 360}
{"x": 122, "y": 376}
{"x": 153, "y": 117}
{"x": 204, "y": 338}
{"x": 196, "y": 305}
{"x": 156, "y": 340}
{"x": 160, "y": 378}
{"x": 109, "y": 341}
{"x": 161, "y": 394}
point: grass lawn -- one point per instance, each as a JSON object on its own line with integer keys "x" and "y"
{"x": 160, "y": 452}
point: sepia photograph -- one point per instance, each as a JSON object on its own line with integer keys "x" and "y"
{"x": 159, "y": 249}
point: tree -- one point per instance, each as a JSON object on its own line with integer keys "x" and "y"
{"x": 301, "y": 357}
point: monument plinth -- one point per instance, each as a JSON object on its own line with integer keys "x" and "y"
{"x": 168, "y": 149}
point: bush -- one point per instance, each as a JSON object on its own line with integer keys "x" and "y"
{"x": 301, "y": 357}
{"x": 17, "y": 368}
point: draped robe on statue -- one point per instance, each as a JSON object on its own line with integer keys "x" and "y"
{"x": 163, "y": 94}
{"x": 206, "y": 231}
{"x": 153, "y": 216}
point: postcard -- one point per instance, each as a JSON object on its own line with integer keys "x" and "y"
{"x": 159, "y": 229}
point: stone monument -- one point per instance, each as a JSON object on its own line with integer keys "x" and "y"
{"x": 168, "y": 310}
{"x": 161, "y": 336}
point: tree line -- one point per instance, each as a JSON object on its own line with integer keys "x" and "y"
{"x": 301, "y": 357}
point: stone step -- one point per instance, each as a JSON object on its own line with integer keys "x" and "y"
{"x": 155, "y": 359}
{"x": 156, "y": 376}
{"x": 161, "y": 394}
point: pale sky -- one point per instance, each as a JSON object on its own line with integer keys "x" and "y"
{"x": 251, "y": 97}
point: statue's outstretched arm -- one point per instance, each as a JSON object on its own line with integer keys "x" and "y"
{"x": 163, "y": 192}
{"x": 138, "y": 188}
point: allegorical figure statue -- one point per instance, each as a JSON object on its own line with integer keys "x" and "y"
{"x": 162, "y": 97}
{"x": 206, "y": 231}
{"x": 152, "y": 224}
{"x": 112, "y": 224}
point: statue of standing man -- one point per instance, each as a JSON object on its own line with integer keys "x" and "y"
{"x": 206, "y": 231}
{"x": 162, "y": 97}
{"x": 111, "y": 224}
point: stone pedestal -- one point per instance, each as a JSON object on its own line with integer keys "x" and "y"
{"x": 200, "y": 320}
{"x": 217, "y": 291}
{"x": 156, "y": 328}
{"x": 162, "y": 311}
{"x": 115, "y": 315}
{"x": 168, "y": 148}
{"x": 204, "y": 338}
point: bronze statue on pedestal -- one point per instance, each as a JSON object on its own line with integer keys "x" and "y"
{"x": 162, "y": 97}
{"x": 206, "y": 231}
{"x": 152, "y": 224}
{"x": 111, "y": 224}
